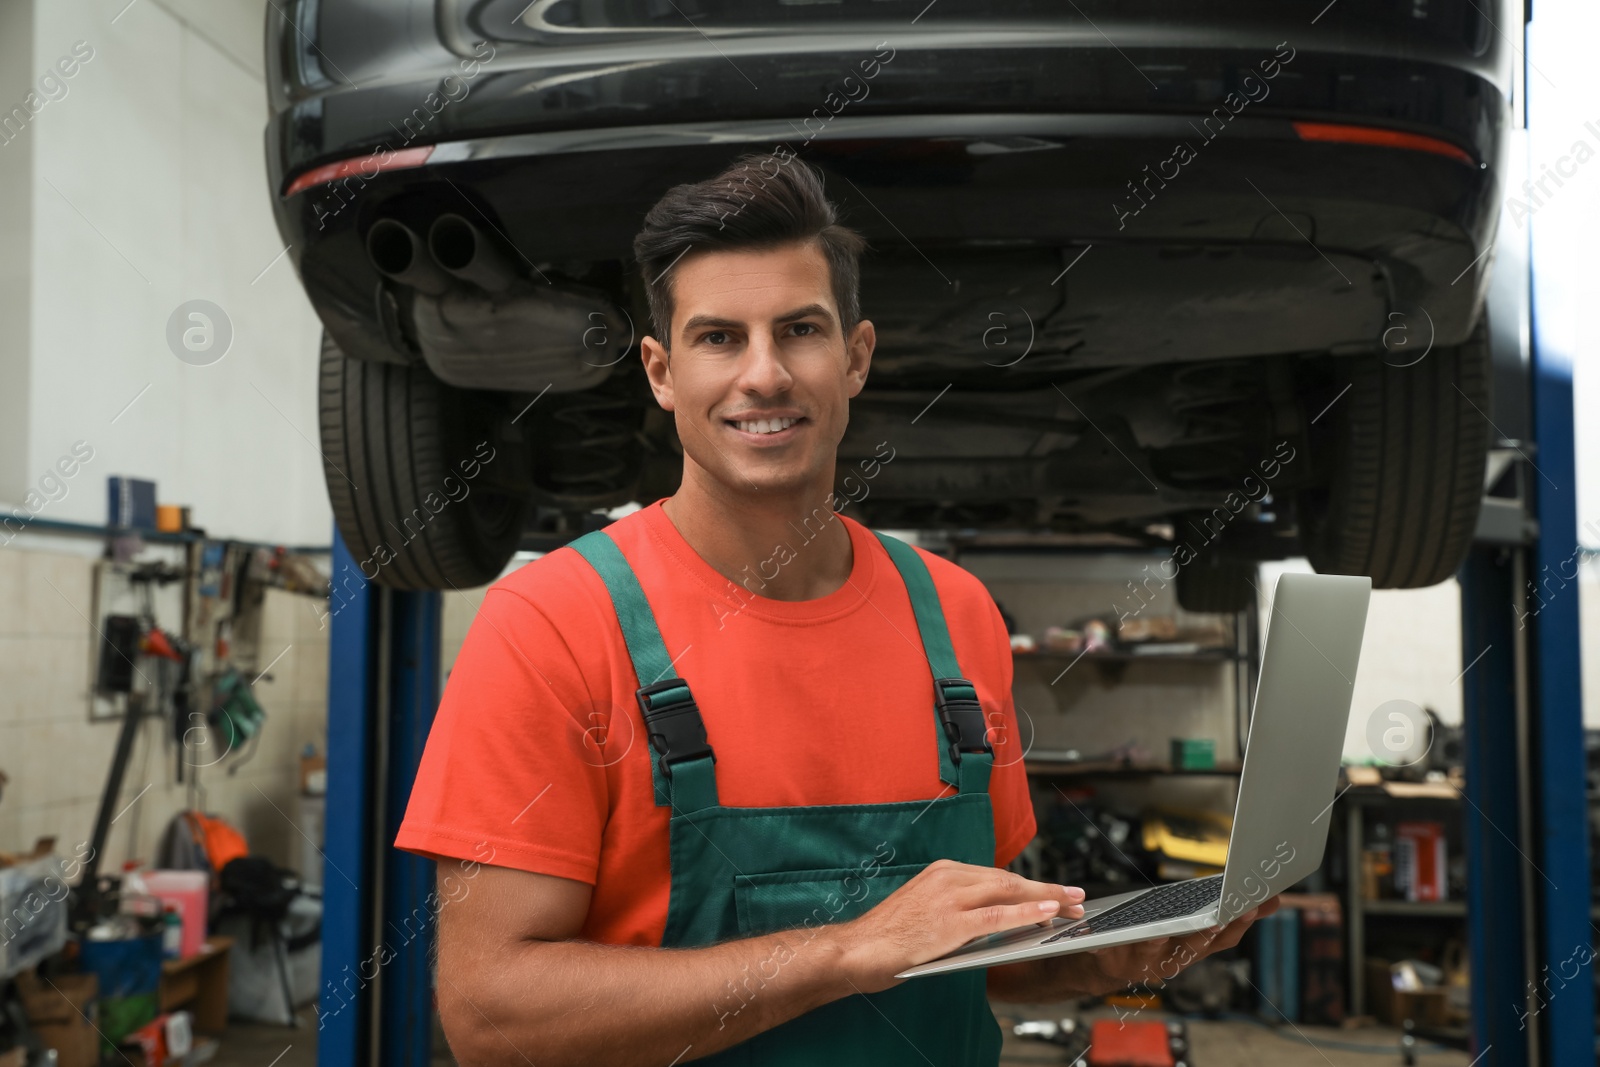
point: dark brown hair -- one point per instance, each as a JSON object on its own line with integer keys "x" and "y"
{"x": 761, "y": 201}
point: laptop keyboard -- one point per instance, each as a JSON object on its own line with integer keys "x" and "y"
{"x": 1164, "y": 902}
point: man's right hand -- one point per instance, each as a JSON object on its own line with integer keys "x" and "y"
{"x": 938, "y": 910}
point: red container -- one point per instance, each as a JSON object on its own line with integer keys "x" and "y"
{"x": 1420, "y": 862}
{"x": 188, "y": 892}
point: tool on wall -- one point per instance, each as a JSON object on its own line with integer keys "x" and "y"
{"x": 236, "y": 716}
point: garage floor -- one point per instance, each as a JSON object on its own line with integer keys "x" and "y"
{"x": 1215, "y": 1044}
{"x": 260, "y": 1045}
{"x": 1228, "y": 1043}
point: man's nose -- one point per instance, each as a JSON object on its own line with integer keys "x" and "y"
{"x": 762, "y": 370}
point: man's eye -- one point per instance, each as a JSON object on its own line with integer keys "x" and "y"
{"x": 715, "y": 337}
{"x": 811, "y": 327}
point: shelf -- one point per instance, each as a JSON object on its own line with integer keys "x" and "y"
{"x": 84, "y": 529}
{"x": 1405, "y": 793}
{"x": 1418, "y": 908}
{"x": 1085, "y": 768}
{"x": 1205, "y": 655}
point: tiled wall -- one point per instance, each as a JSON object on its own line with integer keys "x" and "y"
{"x": 57, "y": 759}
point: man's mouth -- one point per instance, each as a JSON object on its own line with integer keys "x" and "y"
{"x": 763, "y": 426}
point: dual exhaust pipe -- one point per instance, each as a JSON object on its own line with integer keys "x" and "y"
{"x": 454, "y": 249}
{"x": 499, "y": 332}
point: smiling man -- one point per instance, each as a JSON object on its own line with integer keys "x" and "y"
{"x": 683, "y": 819}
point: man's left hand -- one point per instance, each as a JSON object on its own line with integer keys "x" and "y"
{"x": 1110, "y": 970}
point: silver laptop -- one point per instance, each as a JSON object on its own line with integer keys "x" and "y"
{"x": 1286, "y": 789}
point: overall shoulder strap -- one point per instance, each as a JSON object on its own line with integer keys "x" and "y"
{"x": 682, "y": 770}
{"x": 965, "y": 754}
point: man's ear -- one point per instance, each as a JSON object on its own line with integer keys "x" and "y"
{"x": 858, "y": 354}
{"x": 657, "y": 368}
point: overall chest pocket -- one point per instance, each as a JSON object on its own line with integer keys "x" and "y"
{"x": 784, "y": 900}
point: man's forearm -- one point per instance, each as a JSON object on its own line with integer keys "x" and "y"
{"x": 576, "y": 1002}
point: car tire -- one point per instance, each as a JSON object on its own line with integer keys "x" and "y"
{"x": 395, "y": 440}
{"x": 1215, "y": 584}
{"x": 1408, "y": 445}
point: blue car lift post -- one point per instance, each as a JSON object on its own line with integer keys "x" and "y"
{"x": 1526, "y": 813}
{"x": 376, "y": 1000}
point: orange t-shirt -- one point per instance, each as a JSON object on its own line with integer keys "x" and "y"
{"x": 538, "y": 760}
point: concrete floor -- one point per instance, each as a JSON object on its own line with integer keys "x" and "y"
{"x": 1229, "y": 1043}
{"x": 1214, "y": 1044}
{"x": 261, "y": 1045}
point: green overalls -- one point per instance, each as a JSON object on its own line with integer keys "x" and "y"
{"x": 741, "y": 872}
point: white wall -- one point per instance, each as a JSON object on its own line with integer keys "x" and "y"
{"x": 1411, "y": 651}
{"x": 148, "y": 186}
{"x": 1563, "y": 108}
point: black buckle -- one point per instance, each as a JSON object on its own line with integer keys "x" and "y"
{"x": 962, "y": 719}
{"x": 675, "y": 729}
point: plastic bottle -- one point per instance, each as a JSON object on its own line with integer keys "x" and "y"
{"x": 1382, "y": 848}
{"x": 171, "y": 932}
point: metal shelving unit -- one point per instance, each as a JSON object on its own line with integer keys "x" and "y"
{"x": 1357, "y": 906}
{"x": 1045, "y": 767}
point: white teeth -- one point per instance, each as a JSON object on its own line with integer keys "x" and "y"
{"x": 765, "y": 425}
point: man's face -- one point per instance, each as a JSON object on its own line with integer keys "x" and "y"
{"x": 760, "y": 375}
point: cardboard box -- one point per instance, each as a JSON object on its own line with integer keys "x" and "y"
{"x": 76, "y": 1045}
{"x": 42, "y": 847}
{"x": 1426, "y": 1007}
{"x": 61, "y": 999}
{"x": 313, "y": 775}
{"x": 61, "y": 1011}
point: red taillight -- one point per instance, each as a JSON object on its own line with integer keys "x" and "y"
{"x": 1330, "y": 131}
{"x": 365, "y": 166}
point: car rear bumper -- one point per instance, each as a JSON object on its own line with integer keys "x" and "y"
{"x": 1448, "y": 93}
{"x": 1321, "y": 241}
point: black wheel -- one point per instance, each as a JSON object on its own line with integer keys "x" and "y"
{"x": 405, "y": 461}
{"x": 1408, "y": 447}
{"x": 1212, "y": 583}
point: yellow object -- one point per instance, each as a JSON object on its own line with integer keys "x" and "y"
{"x": 1171, "y": 871}
{"x": 1137, "y": 1001}
{"x": 169, "y": 518}
{"x": 1193, "y": 836}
